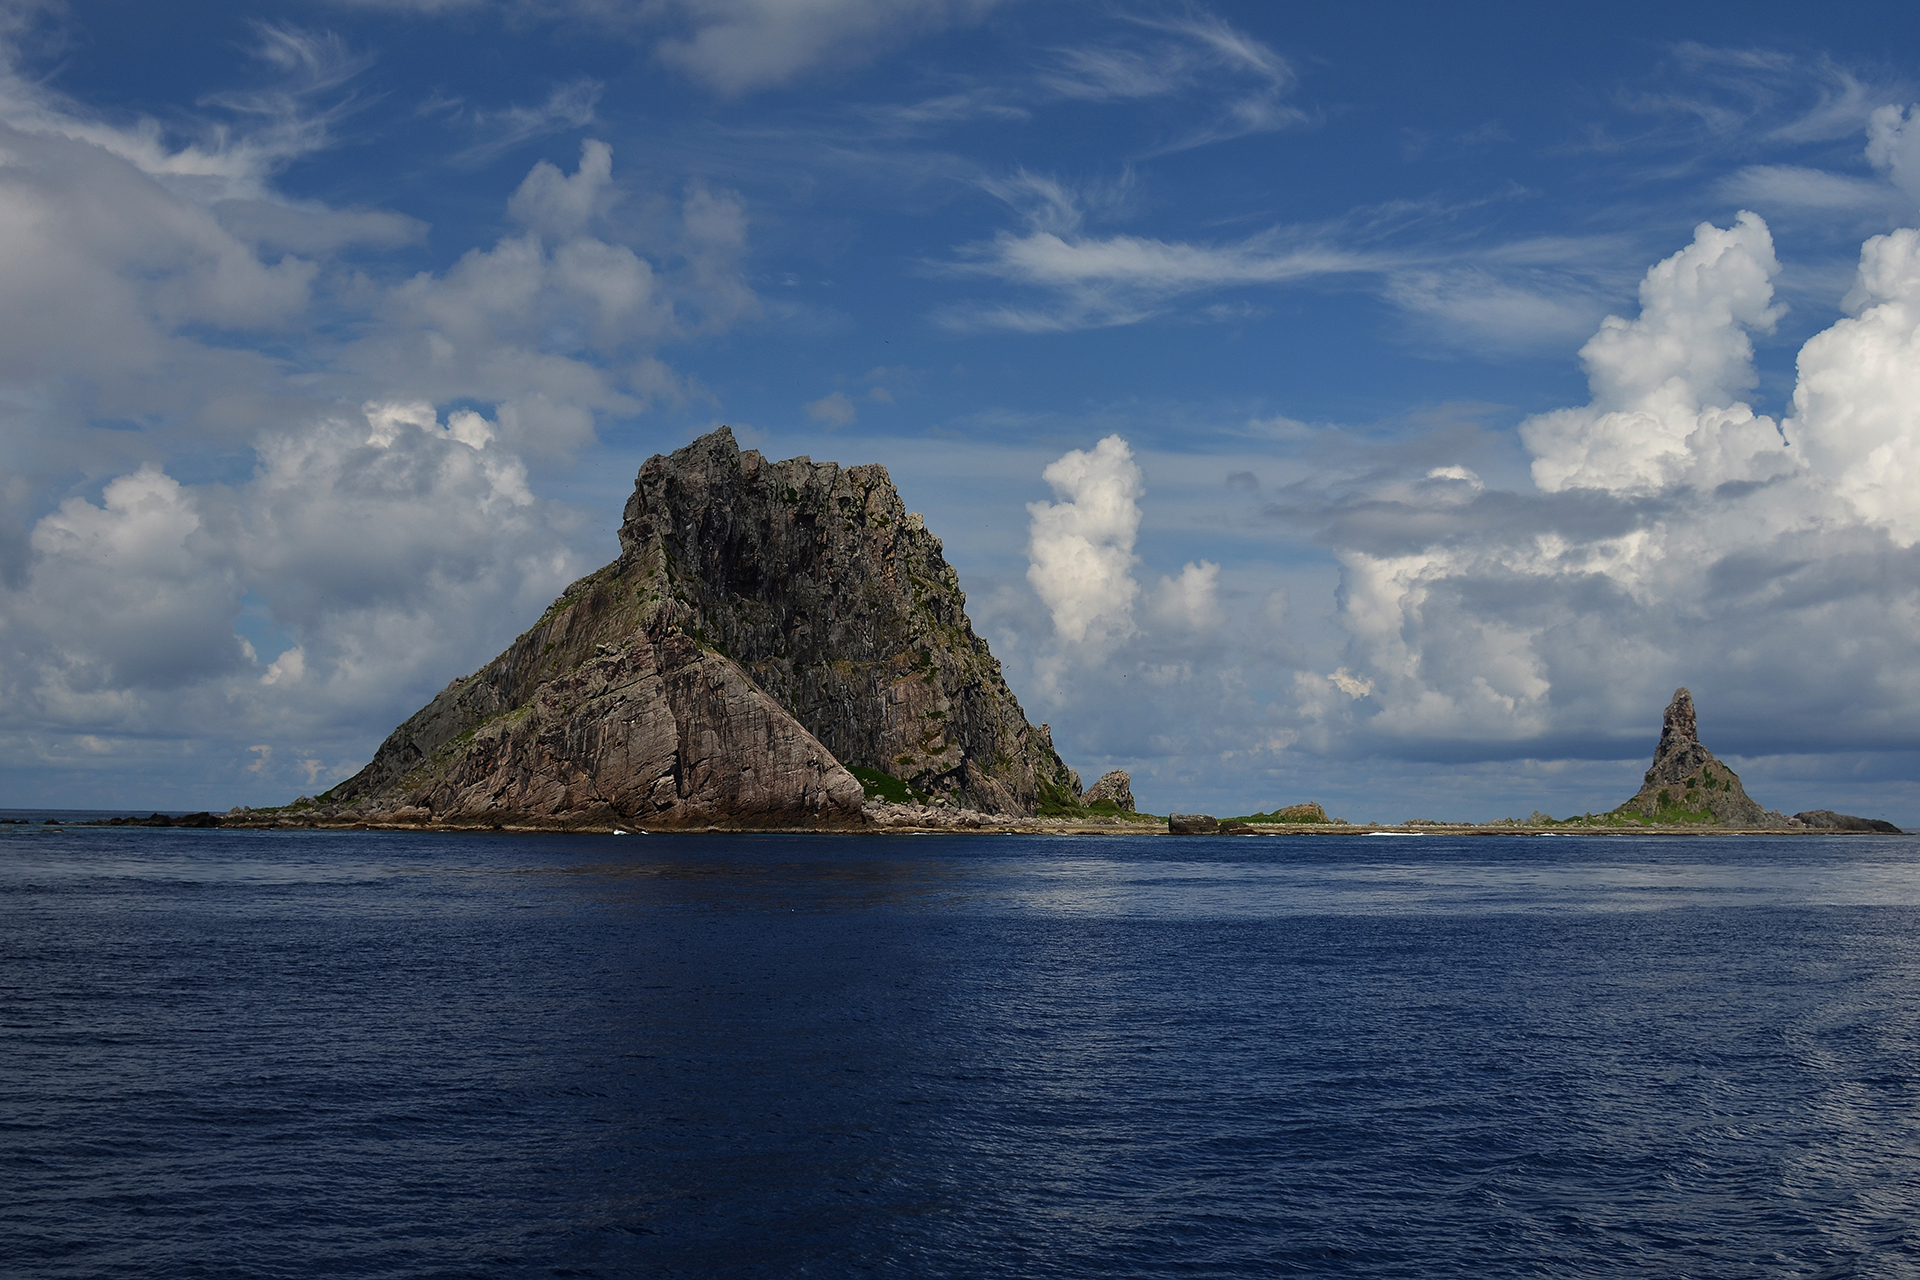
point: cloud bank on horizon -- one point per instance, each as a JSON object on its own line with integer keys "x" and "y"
{"x": 317, "y": 390}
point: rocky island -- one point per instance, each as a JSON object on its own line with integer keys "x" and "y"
{"x": 775, "y": 643}
{"x": 1687, "y": 788}
{"x": 1685, "y": 785}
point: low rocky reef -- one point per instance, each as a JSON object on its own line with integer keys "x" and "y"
{"x": 202, "y": 819}
{"x": 1828, "y": 820}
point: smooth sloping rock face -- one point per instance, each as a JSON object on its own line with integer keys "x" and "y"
{"x": 607, "y": 711}
{"x": 662, "y": 690}
{"x": 840, "y": 604}
{"x": 1687, "y": 784}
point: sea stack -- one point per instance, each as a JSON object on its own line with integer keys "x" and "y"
{"x": 765, "y": 626}
{"x": 1686, "y": 785}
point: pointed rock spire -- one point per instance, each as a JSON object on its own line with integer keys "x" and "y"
{"x": 1680, "y": 754}
{"x": 1679, "y": 724}
{"x": 1687, "y": 785}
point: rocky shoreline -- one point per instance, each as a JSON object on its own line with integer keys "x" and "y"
{"x": 908, "y": 819}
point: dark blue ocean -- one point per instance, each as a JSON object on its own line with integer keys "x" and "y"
{"x": 371, "y": 1054}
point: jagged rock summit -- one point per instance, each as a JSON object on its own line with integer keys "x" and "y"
{"x": 765, "y": 626}
{"x": 1687, "y": 785}
{"x": 1115, "y": 788}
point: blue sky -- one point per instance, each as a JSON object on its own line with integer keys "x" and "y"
{"x": 1254, "y": 365}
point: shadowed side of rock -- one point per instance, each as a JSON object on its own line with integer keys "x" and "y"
{"x": 1686, "y": 784}
{"x": 841, "y": 605}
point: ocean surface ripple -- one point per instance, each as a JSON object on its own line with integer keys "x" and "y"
{"x": 229, "y": 1053}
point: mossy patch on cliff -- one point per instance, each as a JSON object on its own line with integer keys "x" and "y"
{"x": 884, "y": 786}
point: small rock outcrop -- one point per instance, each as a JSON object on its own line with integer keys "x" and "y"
{"x": 1114, "y": 788}
{"x": 1311, "y": 811}
{"x": 1828, "y": 820}
{"x": 202, "y": 819}
{"x": 765, "y": 625}
{"x": 1686, "y": 784}
{"x": 1192, "y": 824}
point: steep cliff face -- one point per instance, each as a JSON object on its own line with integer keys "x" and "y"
{"x": 1686, "y": 783}
{"x": 764, "y": 623}
{"x": 840, "y": 604}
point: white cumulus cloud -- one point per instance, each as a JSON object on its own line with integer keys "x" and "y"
{"x": 1665, "y": 386}
{"x": 1080, "y": 548}
{"x": 835, "y": 409}
{"x": 307, "y": 605}
{"x": 1191, "y": 600}
{"x": 1856, "y": 409}
{"x": 552, "y": 203}
{"x": 1557, "y": 618}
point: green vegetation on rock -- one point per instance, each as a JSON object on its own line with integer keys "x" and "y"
{"x": 1310, "y": 812}
{"x": 1055, "y": 799}
{"x": 884, "y": 786}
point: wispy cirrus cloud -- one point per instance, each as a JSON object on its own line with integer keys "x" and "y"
{"x": 1098, "y": 281}
{"x": 1522, "y": 292}
{"x": 568, "y": 106}
{"x": 265, "y": 126}
{"x": 1194, "y": 54}
{"x": 1800, "y": 188}
{"x": 738, "y": 46}
{"x": 1716, "y": 101}
{"x": 1227, "y": 84}
{"x": 974, "y": 102}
